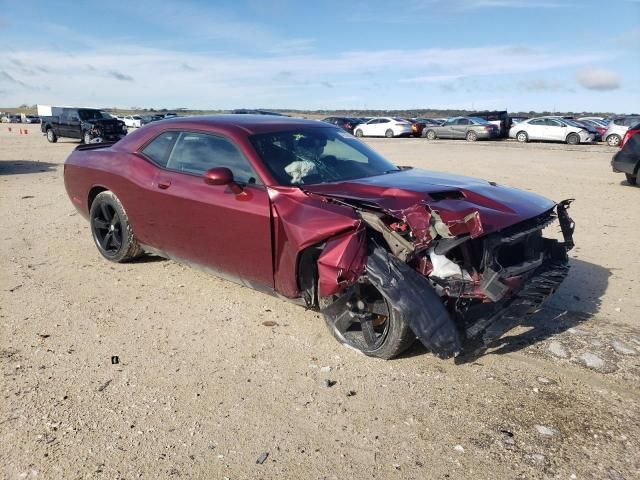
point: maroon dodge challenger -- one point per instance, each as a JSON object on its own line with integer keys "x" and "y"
{"x": 303, "y": 210}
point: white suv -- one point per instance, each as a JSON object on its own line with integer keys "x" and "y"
{"x": 618, "y": 126}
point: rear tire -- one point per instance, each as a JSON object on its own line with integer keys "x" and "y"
{"x": 573, "y": 139}
{"x": 431, "y": 135}
{"x": 613, "y": 140}
{"x": 522, "y": 137}
{"x": 471, "y": 136}
{"x": 388, "y": 133}
{"x": 359, "y": 133}
{"x": 111, "y": 230}
{"x": 51, "y": 136}
{"x": 631, "y": 180}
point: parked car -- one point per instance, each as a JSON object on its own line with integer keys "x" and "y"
{"x": 417, "y": 128}
{"x": 600, "y": 129}
{"x": 132, "y": 121}
{"x": 251, "y": 111}
{"x": 383, "y": 127}
{"x": 30, "y": 118}
{"x": 551, "y": 129}
{"x": 633, "y": 130}
{"x": 170, "y": 115}
{"x": 596, "y": 119}
{"x": 499, "y": 118}
{"x": 589, "y": 127}
{"x": 518, "y": 119}
{"x": 145, "y": 119}
{"x": 627, "y": 159}
{"x": 10, "y": 118}
{"x": 429, "y": 121}
{"x": 470, "y": 128}
{"x": 617, "y": 128}
{"x": 346, "y": 123}
{"x": 86, "y": 124}
{"x": 386, "y": 253}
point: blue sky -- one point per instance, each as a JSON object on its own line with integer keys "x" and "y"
{"x": 567, "y": 55}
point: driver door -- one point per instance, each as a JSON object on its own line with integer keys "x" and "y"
{"x": 209, "y": 224}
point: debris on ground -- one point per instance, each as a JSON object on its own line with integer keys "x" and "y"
{"x": 262, "y": 458}
{"x": 104, "y": 385}
{"x": 546, "y": 431}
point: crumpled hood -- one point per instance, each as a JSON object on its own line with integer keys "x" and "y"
{"x": 498, "y": 206}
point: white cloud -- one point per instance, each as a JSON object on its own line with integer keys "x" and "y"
{"x": 598, "y": 79}
{"x": 123, "y": 75}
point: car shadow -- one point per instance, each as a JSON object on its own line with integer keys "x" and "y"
{"x": 19, "y": 167}
{"x": 625, "y": 183}
{"x": 149, "y": 258}
{"x": 576, "y": 301}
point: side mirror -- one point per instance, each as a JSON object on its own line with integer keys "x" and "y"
{"x": 221, "y": 176}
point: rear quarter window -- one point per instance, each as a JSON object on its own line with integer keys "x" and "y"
{"x": 159, "y": 149}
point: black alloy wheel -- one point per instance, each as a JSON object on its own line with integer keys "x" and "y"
{"x": 107, "y": 229}
{"x": 362, "y": 319}
{"x": 111, "y": 230}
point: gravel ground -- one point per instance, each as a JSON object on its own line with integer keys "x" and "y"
{"x": 156, "y": 370}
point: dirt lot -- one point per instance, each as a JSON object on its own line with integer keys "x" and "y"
{"x": 203, "y": 388}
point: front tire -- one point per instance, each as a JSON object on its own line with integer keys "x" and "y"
{"x": 111, "y": 230}
{"x": 431, "y": 135}
{"x": 522, "y": 137}
{"x": 365, "y": 321}
{"x": 631, "y": 180}
{"x": 613, "y": 140}
{"x": 86, "y": 138}
{"x": 51, "y": 136}
{"x": 471, "y": 136}
{"x": 359, "y": 133}
{"x": 388, "y": 133}
{"x": 573, "y": 139}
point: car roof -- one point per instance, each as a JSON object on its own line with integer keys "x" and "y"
{"x": 228, "y": 124}
{"x": 249, "y": 123}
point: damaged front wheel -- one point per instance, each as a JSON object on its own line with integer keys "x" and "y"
{"x": 362, "y": 319}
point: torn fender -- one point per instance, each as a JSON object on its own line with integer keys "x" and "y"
{"x": 412, "y": 296}
{"x": 300, "y": 220}
{"x": 341, "y": 262}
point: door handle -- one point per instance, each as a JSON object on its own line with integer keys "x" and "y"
{"x": 164, "y": 184}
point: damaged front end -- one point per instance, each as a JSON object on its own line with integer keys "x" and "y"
{"x": 460, "y": 284}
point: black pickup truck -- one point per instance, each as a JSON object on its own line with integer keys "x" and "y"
{"x": 87, "y": 124}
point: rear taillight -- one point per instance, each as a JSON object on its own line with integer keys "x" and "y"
{"x": 626, "y": 137}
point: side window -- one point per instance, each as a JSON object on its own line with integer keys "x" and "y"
{"x": 159, "y": 149}
{"x": 554, "y": 123}
{"x": 199, "y": 152}
{"x": 536, "y": 122}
